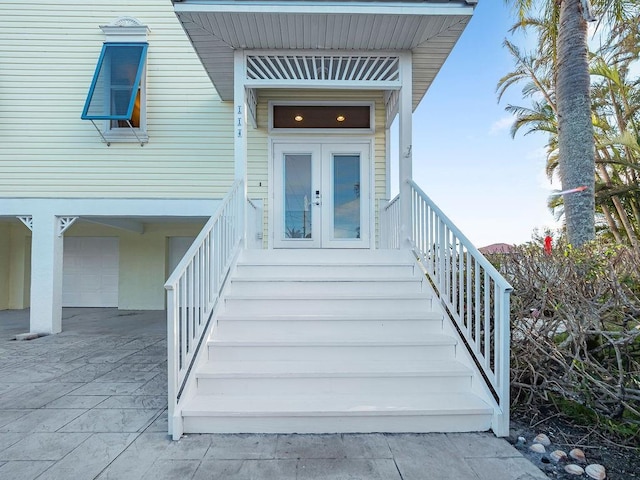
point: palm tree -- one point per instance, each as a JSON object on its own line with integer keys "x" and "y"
{"x": 615, "y": 106}
{"x": 615, "y": 111}
{"x": 564, "y": 43}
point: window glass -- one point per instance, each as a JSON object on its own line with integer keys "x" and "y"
{"x": 321, "y": 116}
{"x": 115, "y": 91}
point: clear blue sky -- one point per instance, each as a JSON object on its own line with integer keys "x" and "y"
{"x": 492, "y": 187}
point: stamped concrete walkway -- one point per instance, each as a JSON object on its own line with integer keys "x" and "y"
{"x": 90, "y": 403}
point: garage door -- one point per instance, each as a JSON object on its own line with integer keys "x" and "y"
{"x": 90, "y": 272}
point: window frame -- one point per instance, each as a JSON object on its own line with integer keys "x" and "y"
{"x": 124, "y": 31}
{"x": 326, "y": 131}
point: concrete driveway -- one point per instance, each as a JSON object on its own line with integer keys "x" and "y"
{"x": 91, "y": 403}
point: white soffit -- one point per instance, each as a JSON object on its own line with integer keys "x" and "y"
{"x": 428, "y": 29}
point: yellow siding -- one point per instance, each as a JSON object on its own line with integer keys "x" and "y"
{"x": 20, "y": 290}
{"x": 5, "y": 252}
{"x": 258, "y": 139}
{"x": 15, "y": 265}
{"x": 48, "y": 52}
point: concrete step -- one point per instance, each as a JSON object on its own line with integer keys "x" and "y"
{"x": 325, "y": 286}
{"x": 334, "y": 256}
{"x": 327, "y": 328}
{"x": 405, "y": 304}
{"x": 330, "y": 271}
{"x": 325, "y": 378}
{"x": 318, "y": 341}
{"x": 450, "y": 412}
{"x": 435, "y": 347}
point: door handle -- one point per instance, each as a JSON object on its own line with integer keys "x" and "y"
{"x": 318, "y": 198}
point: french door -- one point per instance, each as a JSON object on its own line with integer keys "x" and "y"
{"x": 321, "y": 195}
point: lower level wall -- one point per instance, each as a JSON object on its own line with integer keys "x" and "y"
{"x": 15, "y": 265}
{"x": 5, "y": 245}
{"x": 143, "y": 262}
{"x": 142, "y": 272}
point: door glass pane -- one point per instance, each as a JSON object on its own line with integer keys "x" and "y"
{"x": 346, "y": 196}
{"x": 297, "y": 196}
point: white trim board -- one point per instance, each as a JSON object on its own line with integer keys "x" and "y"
{"x": 296, "y": 139}
{"x": 294, "y": 132}
{"x": 380, "y": 8}
{"x": 120, "y": 207}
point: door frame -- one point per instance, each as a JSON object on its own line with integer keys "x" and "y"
{"x": 368, "y": 140}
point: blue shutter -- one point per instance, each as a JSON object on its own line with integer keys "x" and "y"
{"x": 115, "y": 83}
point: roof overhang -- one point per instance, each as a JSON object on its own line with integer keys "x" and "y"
{"x": 427, "y": 28}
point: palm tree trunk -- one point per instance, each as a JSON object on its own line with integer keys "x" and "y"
{"x": 575, "y": 128}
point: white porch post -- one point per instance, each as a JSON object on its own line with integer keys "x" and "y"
{"x": 46, "y": 275}
{"x": 405, "y": 157}
{"x": 240, "y": 132}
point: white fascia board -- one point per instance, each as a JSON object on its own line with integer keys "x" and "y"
{"x": 116, "y": 207}
{"x": 323, "y": 84}
{"x": 248, "y": 52}
{"x": 368, "y": 8}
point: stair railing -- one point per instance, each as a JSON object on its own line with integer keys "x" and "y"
{"x": 194, "y": 288}
{"x": 390, "y": 224}
{"x": 474, "y": 294}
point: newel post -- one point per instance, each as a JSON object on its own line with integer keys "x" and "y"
{"x": 405, "y": 157}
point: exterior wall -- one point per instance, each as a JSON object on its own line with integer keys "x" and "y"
{"x": 257, "y": 143}
{"x": 5, "y": 251}
{"x": 143, "y": 260}
{"x": 19, "y": 293}
{"x": 142, "y": 268}
{"x": 48, "y": 54}
{"x": 15, "y": 265}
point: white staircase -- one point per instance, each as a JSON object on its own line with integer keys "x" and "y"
{"x": 319, "y": 341}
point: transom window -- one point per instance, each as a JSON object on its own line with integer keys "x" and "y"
{"x": 319, "y": 117}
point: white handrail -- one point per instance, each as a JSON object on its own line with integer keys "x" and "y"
{"x": 475, "y": 295}
{"x": 390, "y": 224}
{"x": 194, "y": 287}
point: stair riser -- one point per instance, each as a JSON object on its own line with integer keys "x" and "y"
{"x": 338, "y": 424}
{"x": 323, "y": 256}
{"x": 366, "y": 386}
{"x": 325, "y": 271}
{"x": 311, "y": 314}
{"x": 332, "y": 353}
{"x": 324, "y": 288}
{"x": 327, "y": 306}
{"x": 327, "y": 330}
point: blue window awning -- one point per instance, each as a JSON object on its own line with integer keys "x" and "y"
{"x": 116, "y": 81}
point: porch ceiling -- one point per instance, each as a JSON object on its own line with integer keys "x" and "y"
{"x": 429, "y": 29}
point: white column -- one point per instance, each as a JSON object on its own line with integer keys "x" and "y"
{"x": 387, "y": 153}
{"x": 405, "y": 157}
{"x": 240, "y": 116}
{"x": 240, "y": 130}
{"x": 46, "y": 275}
